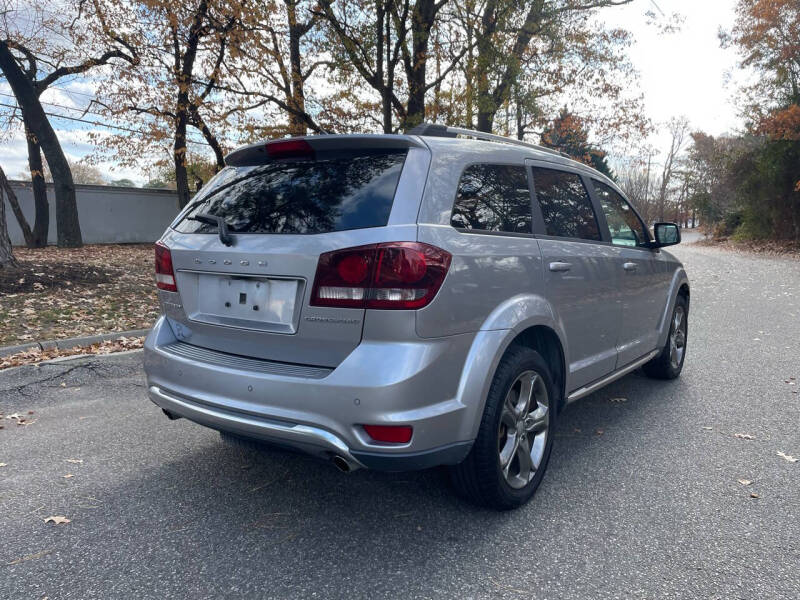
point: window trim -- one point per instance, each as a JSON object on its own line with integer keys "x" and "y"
{"x": 531, "y": 234}
{"x": 540, "y": 229}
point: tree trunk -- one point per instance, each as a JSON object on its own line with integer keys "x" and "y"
{"x": 69, "y": 231}
{"x": 297, "y": 125}
{"x": 7, "y": 259}
{"x": 41, "y": 222}
{"x": 421, "y": 23}
{"x": 12, "y": 200}
{"x": 179, "y": 155}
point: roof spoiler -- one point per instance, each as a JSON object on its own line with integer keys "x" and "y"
{"x": 260, "y": 152}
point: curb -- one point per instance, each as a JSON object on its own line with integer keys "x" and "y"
{"x": 72, "y": 342}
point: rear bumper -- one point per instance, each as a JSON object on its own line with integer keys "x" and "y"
{"x": 411, "y": 383}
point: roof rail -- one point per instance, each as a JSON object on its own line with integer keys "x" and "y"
{"x": 432, "y": 129}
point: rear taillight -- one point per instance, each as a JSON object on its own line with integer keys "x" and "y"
{"x": 165, "y": 276}
{"x": 394, "y": 275}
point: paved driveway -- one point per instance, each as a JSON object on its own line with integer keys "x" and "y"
{"x": 641, "y": 499}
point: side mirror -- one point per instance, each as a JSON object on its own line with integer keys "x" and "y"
{"x": 667, "y": 234}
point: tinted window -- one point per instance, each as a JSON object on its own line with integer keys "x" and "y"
{"x": 566, "y": 207}
{"x": 303, "y": 196}
{"x": 493, "y": 198}
{"x": 626, "y": 228}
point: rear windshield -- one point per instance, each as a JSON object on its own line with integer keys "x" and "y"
{"x": 303, "y": 196}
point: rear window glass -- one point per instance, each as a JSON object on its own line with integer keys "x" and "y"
{"x": 493, "y": 198}
{"x": 319, "y": 196}
{"x": 566, "y": 207}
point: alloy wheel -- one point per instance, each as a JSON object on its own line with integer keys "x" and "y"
{"x": 522, "y": 434}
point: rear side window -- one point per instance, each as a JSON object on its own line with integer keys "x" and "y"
{"x": 301, "y": 196}
{"x": 566, "y": 207}
{"x": 493, "y": 198}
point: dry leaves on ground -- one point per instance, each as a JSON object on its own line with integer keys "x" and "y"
{"x": 744, "y": 436}
{"x": 57, "y": 519}
{"x": 787, "y": 457}
{"x": 744, "y": 481}
{"x": 59, "y": 293}
{"x": 75, "y": 461}
{"x": 35, "y": 356}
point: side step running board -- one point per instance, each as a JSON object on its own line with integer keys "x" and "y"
{"x": 593, "y": 387}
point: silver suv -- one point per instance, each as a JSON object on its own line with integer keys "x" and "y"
{"x": 400, "y": 302}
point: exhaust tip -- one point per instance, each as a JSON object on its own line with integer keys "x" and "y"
{"x": 170, "y": 416}
{"x": 341, "y": 464}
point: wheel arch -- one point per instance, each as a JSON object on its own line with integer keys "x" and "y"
{"x": 525, "y": 319}
{"x": 547, "y": 343}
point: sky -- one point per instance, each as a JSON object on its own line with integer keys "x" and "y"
{"x": 684, "y": 73}
{"x": 680, "y": 74}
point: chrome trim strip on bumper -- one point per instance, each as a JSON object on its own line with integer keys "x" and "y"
{"x": 268, "y": 430}
{"x": 593, "y": 387}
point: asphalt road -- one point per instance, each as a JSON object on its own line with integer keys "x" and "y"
{"x": 641, "y": 499}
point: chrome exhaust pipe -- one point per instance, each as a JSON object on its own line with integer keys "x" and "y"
{"x": 343, "y": 464}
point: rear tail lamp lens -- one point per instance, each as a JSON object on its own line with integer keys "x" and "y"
{"x": 394, "y": 275}
{"x": 391, "y": 434}
{"x": 165, "y": 276}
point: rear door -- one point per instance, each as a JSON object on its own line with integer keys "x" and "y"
{"x": 579, "y": 267}
{"x": 642, "y": 279}
{"x": 284, "y": 208}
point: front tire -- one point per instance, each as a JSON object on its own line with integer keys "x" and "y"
{"x": 669, "y": 363}
{"x": 510, "y": 454}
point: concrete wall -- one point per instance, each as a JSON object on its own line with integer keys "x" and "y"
{"x": 108, "y": 215}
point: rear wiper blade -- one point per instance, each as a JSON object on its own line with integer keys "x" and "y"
{"x": 222, "y": 227}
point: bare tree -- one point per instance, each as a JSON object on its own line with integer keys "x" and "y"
{"x": 678, "y": 129}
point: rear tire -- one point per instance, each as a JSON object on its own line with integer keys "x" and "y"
{"x": 669, "y": 363}
{"x": 510, "y": 454}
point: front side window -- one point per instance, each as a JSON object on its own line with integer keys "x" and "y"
{"x": 300, "y": 196}
{"x": 493, "y": 198}
{"x": 566, "y": 207}
{"x": 625, "y": 226}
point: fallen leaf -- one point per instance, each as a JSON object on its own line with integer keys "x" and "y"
{"x": 30, "y": 557}
{"x": 15, "y": 416}
{"x": 3, "y": 464}
{"x": 744, "y": 481}
{"x": 754, "y": 495}
{"x": 68, "y": 475}
{"x": 77, "y": 461}
{"x": 63, "y": 384}
{"x": 791, "y": 459}
{"x": 744, "y": 436}
{"x": 708, "y": 428}
{"x": 600, "y": 432}
{"x": 619, "y": 399}
{"x": 58, "y": 520}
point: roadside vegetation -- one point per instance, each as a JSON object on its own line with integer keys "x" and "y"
{"x": 743, "y": 187}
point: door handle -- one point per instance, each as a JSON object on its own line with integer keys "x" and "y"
{"x": 560, "y": 266}
{"x": 630, "y": 266}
